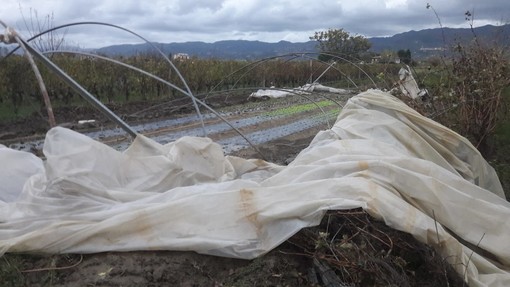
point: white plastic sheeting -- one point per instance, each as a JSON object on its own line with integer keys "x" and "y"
{"x": 380, "y": 155}
{"x": 306, "y": 89}
{"x": 15, "y": 168}
{"x": 408, "y": 84}
{"x": 316, "y": 87}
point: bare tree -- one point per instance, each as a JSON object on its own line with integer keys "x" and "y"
{"x": 34, "y": 25}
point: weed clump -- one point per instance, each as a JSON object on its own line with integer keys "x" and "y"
{"x": 469, "y": 86}
{"x": 350, "y": 248}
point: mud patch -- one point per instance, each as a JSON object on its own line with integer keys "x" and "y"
{"x": 348, "y": 248}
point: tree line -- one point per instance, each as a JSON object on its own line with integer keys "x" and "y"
{"x": 112, "y": 83}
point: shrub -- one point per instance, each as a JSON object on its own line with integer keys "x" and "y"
{"x": 467, "y": 86}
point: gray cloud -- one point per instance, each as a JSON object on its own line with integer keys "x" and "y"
{"x": 188, "y": 7}
{"x": 214, "y": 20}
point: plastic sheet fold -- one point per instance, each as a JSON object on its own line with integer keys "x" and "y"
{"x": 380, "y": 155}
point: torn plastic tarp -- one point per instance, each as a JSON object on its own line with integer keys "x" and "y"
{"x": 308, "y": 88}
{"x": 408, "y": 84}
{"x": 16, "y": 168}
{"x": 380, "y": 155}
{"x": 316, "y": 87}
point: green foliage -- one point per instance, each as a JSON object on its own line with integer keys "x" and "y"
{"x": 113, "y": 84}
{"x": 338, "y": 41}
{"x": 296, "y": 109}
{"x": 405, "y": 56}
{"x": 501, "y": 160}
{"x": 480, "y": 73}
{"x": 467, "y": 85}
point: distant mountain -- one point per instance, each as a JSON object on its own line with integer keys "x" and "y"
{"x": 232, "y": 49}
{"x": 421, "y": 43}
{"x": 426, "y": 42}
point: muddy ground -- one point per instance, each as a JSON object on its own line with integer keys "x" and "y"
{"x": 379, "y": 256}
{"x": 368, "y": 253}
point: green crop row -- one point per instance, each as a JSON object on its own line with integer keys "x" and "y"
{"x": 296, "y": 109}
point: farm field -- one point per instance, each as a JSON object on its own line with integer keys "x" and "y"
{"x": 280, "y": 129}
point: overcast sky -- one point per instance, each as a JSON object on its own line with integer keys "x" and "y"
{"x": 168, "y": 21}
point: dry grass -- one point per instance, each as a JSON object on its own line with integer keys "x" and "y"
{"x": 350, "y": 248}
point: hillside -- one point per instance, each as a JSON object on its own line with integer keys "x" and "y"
{"x": 231, "y": 49}
{"x": 421, "y": 43}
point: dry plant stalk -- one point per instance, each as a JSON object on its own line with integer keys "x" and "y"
{"x": 468, "y": 96}
{"x": 13, "y": 37}
{"x": 365, "y": 252}
{"x": 42, "y": 86}
{"x": 480, "y": 74}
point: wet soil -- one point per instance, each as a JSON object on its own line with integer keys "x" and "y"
{"x": 254, "y": 120}
{"x": 313, "y": 257}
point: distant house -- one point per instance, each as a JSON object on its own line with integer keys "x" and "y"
{"x": 432, "y": 49}
{"x": 180, "y": 56}
{"x": 376, "y": 59}
{"x": 385, "y": 60}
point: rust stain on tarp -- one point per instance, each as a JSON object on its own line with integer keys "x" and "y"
{"x": 260, "y": 163}
{"x": 250, "y": 210}
{"x": 363, "y": 165}
{"x": 139, "y": 224}
{"x": 142, "y": 225}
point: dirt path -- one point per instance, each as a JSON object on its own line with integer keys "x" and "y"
{"x": 259, "y": 122}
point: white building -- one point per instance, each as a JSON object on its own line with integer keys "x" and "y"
{"x": 180, "y": 56}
